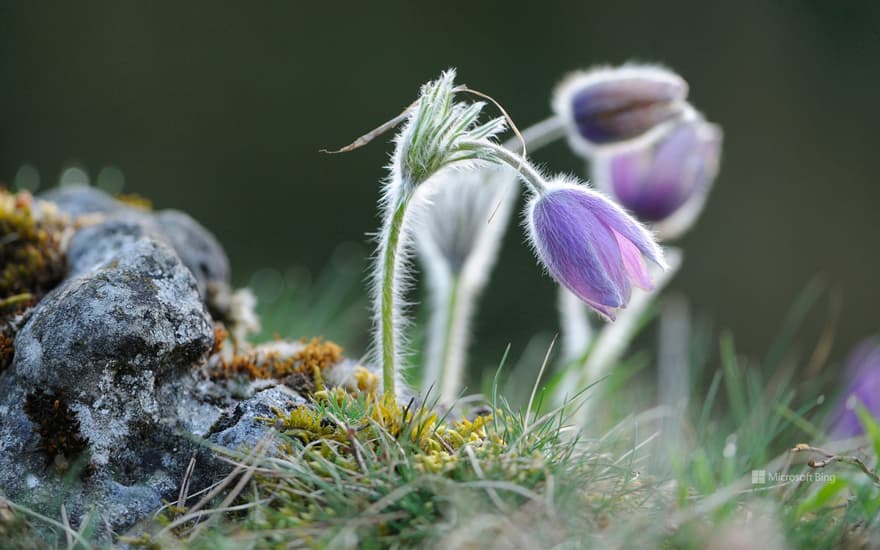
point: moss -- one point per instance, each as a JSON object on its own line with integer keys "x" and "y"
{"x": 58, "y": 428}
{"x": 136, "y": 201}
{"x": 318, "y": 354}
{"x": 31, "y": 259}
{"x": 308, "y": 425}
{"x": 435, "y": 443}
{"x": 6, "y": 351}
{"x": 301, "y": 370}
{"x": 220, "y": 336}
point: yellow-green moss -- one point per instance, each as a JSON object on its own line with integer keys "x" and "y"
{"x": 306, "y": 424}
{"x": 31, "y": 259}
{"x": 135, "y": 200}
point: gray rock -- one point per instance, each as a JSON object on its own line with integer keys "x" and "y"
{"x": 113, "y": 496}
{"x": 193, "y": 243}
{"x": 130, "y": 313}
{"x": 97, "y": 245}
{"x": 125, "y": 505}
{"x": 196, "y": 246}
{"x": 115, "y": 347}
{"x": 77, "y": 200}
{"x": 242, "y": 428}
{"x": 17, "y": 441}
{"x": 105, "y": 404}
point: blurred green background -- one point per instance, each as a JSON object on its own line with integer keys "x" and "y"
{"x": 220, "y": 110}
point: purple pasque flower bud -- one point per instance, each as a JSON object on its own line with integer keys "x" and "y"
{"x": 862, "y": 372}
{"x": 608, "y": 105}
{"x": 591, "y": 245}
{"x": 656, "y": 179}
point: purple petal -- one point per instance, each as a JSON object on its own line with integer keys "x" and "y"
{"x": 619, "y": 221}
{"x": 568, "y": 240}
{"x": 634, "y": 263}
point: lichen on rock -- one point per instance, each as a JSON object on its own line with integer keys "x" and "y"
{"x": 116, "y": 368}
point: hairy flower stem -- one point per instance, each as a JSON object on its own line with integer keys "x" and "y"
{"x": 391, "y": 259}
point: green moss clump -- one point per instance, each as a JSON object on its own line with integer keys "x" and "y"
{"x": 32, "y": 261}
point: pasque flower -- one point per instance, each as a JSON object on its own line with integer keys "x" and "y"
{"x": 611, "y": 105}
{"x": 668, "y": 177}
{"x": 590, "y": 245}
{"x": 862, "y": 372}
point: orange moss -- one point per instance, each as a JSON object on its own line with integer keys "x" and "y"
{"x": 318, "y": 354}
{"x": 220, "y": 336}
{"x": 315, "y": 356}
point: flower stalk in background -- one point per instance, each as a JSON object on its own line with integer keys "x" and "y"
{"x": 589, "y": 356}
{"x": 460, "y": 234}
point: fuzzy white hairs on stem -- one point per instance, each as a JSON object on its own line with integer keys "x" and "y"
{"x": 438, "y": 133}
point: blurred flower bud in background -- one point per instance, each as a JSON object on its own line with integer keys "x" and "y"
{"x": 862, "y": 376}
{"x": 606, "y": 106}
{"x": 666, "y": 180}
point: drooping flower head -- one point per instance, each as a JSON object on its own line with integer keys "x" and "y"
{"x": 590, "y": 245}
{"x": 606, "y": 106}
{"x": 667, "y": 177}
{"x": 862, "y": 373}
